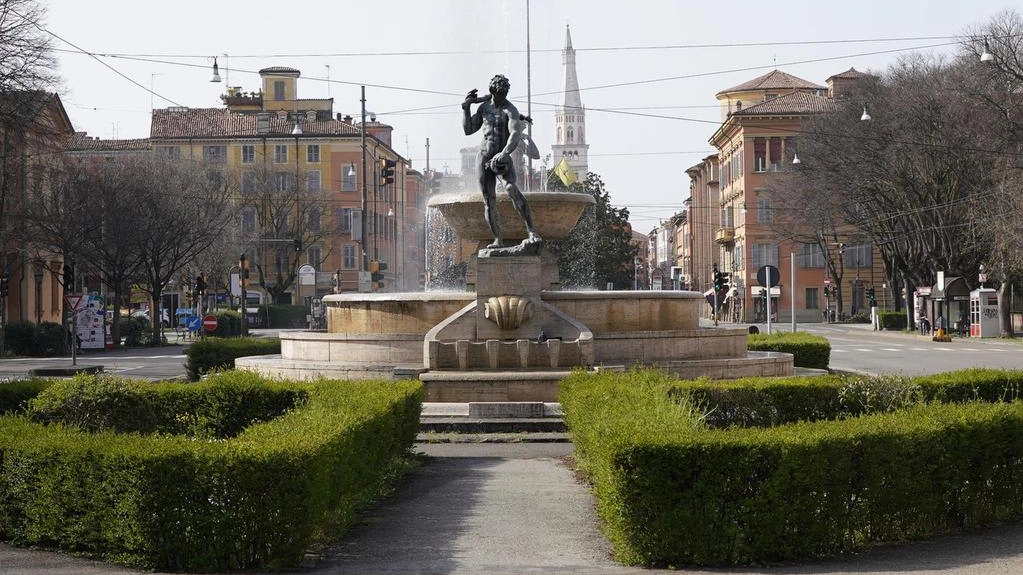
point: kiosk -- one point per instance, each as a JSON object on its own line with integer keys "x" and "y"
{"x": 984, "y": 313}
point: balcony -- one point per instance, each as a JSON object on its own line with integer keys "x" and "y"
{"x": 724, "y": 235}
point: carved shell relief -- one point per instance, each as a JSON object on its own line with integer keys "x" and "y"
{"x": 508, "y": 311}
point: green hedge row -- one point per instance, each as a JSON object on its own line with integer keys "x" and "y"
{"x": 213, "y": 353}
{"x": 808, "y": 350}
{"x": 174, "y": 503}
{"x": 672, "y": 490}
{"x": 97, "y": 403}
{"x": 36, "y": 340}
{"x": 15, "y": 395}
{"x": 893, "y": 320}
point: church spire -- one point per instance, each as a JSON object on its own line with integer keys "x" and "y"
{"x": 570, "y": 116}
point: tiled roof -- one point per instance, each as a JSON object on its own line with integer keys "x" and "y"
{"x": 774, "y": 80}
{"x": 219, "y": 123}
{"x": 850, "y": 74}
{"x": 791, "y": 103}
{"x": 82, "y": 142}
{"x": 279, "y": 70}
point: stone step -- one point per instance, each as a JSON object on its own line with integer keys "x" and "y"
{"x": 501, "y": 417}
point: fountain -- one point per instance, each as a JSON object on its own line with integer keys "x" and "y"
{"x": 514, "y": 335}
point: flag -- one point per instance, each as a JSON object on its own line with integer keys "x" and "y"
{"x": 565, "y": 172}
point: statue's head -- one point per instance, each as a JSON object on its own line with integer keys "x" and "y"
{"x": 499, "y": 85}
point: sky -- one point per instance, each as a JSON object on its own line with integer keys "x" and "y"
{"x": 648, "y": 69}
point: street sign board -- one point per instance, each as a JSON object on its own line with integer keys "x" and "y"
{"x": 73, "y": 301}
{"x": 194, "y": 323}
{"x": 209, "y": 323}
{"x": 766, "y": 273}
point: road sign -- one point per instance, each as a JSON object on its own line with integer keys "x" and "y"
{"x": 194, "y": 323}
{"x": 73, "y": 301}
{"x": 209, "y": 323}
{"x": 766, "y": 273}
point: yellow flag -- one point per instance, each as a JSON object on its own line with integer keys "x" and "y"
{"x": 565, "y": 172}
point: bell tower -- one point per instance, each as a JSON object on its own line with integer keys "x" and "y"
{"x": 570, "y": 116}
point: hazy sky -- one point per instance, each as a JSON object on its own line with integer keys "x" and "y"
{"x": 648, "y": 69}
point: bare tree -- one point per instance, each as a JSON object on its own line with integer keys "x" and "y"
{"x": 180, "y": 210}
{"x": 286, "y": 219}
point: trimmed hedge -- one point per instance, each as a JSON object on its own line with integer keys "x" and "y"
{"x": 15, "y": 395}
{"x": 285, "y": 315}
{"x": 124, "y": 405}
{"x": 808, "y": 350}
{"x": 671, "y": 490}
{"x": 168, "y": 502}
{"x": 213, "y": 353}
{"x": 893, "y": 320}
{"x": 36, "y": 340}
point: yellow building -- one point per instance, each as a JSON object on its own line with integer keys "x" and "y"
{"x": 756, "y": 145}
{"x": 35, "y": 127}
{"x": 277, "y": 148}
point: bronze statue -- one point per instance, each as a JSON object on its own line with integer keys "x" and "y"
{"x": 502, "y": 133}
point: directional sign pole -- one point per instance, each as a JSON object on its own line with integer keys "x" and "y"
{"x": 74, "y": 337}
{"x": 769, "y": 278}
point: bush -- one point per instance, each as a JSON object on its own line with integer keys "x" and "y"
{"x": 285, "y": 315}
{"x": 136, "y": 332}
{"x": 893, "y": 320}
{"x": 229, "y": 323}
{"x": 892, "y": 465}
{"x": 29, "y": 339}
{"x": 171, "y": 503}
{"x": 102, "y": 403}
{"x": 213, "y": 353}
{"x": 14, "y": 395}
{"x": 808, "y": 350}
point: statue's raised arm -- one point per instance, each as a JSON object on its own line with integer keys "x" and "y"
{"x": 471, "y": 123}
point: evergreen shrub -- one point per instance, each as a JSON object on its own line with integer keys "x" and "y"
{"x": 213, "y": 353}
{"x": 808, "y": 350}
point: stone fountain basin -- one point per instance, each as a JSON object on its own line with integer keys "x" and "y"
{"x": 555, "y": 214}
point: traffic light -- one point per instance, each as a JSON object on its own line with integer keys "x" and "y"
{"x": 298, "y": 244}
{"x": 69, "y": 277}
{"x": 387, "y": 171}
{"x": 200, "y": 284}
{"x": 5, "y": 285}
{"x": 719, "y": 281}
{"x": 871, "y": 298}
{"x": 726, "y": 280}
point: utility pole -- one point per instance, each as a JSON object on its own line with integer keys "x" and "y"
{"x": 529, "y": 105}
{"x": 365, "y": 260}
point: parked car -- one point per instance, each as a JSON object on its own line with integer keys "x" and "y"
{"x": 143, "y": 315}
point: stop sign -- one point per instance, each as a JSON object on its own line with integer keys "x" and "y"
{"x": 209, "y": 322}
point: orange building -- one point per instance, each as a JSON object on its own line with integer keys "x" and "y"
{"x": 756, "y": 144}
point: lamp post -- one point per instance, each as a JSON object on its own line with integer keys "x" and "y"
{"x": 38, "y": 273}
{"x": 242, "y": 273}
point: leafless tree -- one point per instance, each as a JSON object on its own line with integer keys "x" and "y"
{"x": 180, "y": 211}
{"x": 285, "y": 218}
{"x": 908, "y": 178}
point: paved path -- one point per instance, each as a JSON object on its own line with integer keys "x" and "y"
{"x": 513, "y": 508}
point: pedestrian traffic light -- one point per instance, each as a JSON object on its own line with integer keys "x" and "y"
{"x": 719, "y": 281}
{"x": 871, "y": 298}
{"x": 387, "y": 171}
{"x": 298, "y": 244}
{"x": 200, "y": 284}
{"x": 5, "y": 285}
{"x": 69, "y": 277}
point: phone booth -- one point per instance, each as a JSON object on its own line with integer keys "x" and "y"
{"x": 984, "y": 313}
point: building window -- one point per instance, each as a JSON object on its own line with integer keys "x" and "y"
{"x": 214, "y": 153}
{"x": 811, "y": 256}
{"x": 313, "y": 220}
{"x": 215, "y": 178}
{"x": 281, "y": 153}
{"x": 248, "y": 182}
{"x": 759, "y": 154}
{"x": 813, "y": 298}
{"x": 312, "y": 153}
{"x": 775, "y": 150}
{"x": 348, "y": 178}
{"x": 314, "y": 257}
{"x": 278, "y": 89}
{"x": 738, "y": 258}
{"x": 312, "y": 181}
{"x": 344, "y": 220}
{"x": 764, "y": 254}
{"x": 857, "y": 256}
{"x": 764, "y": 214}
{"x": 248, "y": 154}
{"x": 284, "y": 182}
{"x": 348, "y": 257}
{"x": 172, "y": 152}
{"x": 249, "y": 221}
